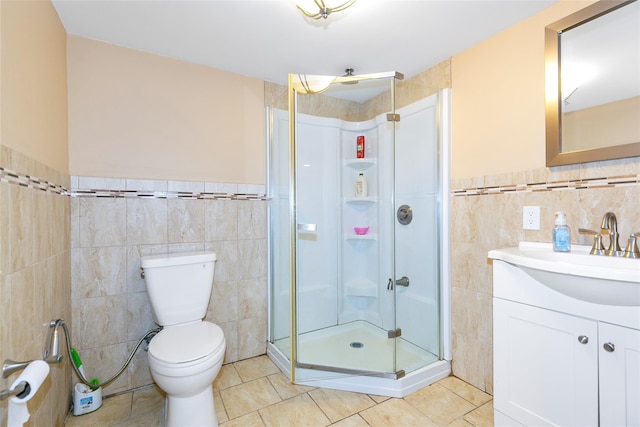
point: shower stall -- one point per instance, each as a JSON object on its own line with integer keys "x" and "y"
{"x": 364, "y": 311}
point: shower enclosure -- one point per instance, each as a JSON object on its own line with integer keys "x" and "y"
{"x": 360, "y": 312}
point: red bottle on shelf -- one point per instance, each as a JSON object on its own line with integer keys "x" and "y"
{"x": 360, "y": 147}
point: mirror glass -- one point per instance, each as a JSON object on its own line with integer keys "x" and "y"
{"x": 593, "y": 84}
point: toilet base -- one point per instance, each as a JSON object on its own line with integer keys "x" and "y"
{"x": 193, "y": 411}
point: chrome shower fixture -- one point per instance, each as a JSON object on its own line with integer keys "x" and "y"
{"x": 324, "y": 10}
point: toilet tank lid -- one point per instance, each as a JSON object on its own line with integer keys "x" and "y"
{"x": 179, "y": 258}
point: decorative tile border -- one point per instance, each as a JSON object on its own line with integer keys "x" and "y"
{"x": 164, "y": 194}
{"x": 579, "y": 184}
{"x": 11, "y": 177}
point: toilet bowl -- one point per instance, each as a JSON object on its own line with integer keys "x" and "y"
{"x": 184, "y": 360}
{"x": 186, "y": 355}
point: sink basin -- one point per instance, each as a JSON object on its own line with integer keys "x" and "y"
{"x": 593, "y": 278}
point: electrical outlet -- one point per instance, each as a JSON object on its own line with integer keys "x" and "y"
{"x": 531, "y": 217}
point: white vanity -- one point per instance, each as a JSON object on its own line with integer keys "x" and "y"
{"x": 566, "y": 337}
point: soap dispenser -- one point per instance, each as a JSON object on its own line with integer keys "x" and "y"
{"x": 561, "y": 234}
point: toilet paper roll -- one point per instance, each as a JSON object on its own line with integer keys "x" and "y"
{"x": 34, "y": 374}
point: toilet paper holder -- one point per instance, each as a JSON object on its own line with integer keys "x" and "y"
{"x": 50, "y": 355}
{"x": 22, "y": 389}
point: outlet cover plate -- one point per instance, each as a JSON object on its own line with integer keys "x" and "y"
{"x": 531, "y": 217}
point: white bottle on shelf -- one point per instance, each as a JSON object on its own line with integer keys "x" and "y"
{"x": 361, "y": 185}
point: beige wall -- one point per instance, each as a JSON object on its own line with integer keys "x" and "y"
{"x": 602, "y": 126}
{"x": 34, "y": 224}
{"x": 137, "y": 115}
{"x": 34, "y": 82}
{"x": 498, "y": 166}
{"x": 498, "y": 98}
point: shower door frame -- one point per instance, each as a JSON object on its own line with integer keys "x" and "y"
{"x": 416, "y": 379}
{"x": 294, "y": 230}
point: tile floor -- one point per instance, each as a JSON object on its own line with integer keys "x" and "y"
{"x": 254, "y": 393}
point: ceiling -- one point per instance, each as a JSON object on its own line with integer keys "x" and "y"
{"x": 268, "y": 39}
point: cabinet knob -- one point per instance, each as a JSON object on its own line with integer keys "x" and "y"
{"x": 583, "y": 339}
{"x": 608, "y": 346}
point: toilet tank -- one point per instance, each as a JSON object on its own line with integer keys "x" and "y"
{"x": 179, "y": 285}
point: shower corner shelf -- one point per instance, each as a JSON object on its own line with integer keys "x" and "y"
{"x": 353, "y": 236}
{"x": 361, "y": 200}
{"x": 361, "y": 288}
{"x": 360, "y": 163}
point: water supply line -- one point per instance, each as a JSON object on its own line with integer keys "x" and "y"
{"x": 51, "y": 355}
{"x": 151, "y": 333}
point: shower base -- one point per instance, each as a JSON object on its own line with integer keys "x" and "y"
{"x": 361, "y": 353}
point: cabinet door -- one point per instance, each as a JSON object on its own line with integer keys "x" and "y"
{"x": 545, "y": 366}
{"x": 619, "y": 349}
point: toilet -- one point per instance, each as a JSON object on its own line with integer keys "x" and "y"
{"x": 186, "y": 355}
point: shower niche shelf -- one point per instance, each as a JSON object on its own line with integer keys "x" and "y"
{"x": 361, "y": 288}
{"x": 361, "y": 200}
{"x": 361, "y": 164}
{"x": 353, "y": 236}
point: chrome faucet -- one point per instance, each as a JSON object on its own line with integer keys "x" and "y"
{"x": 610, "y": 222}
{"x": 597, "y": 248}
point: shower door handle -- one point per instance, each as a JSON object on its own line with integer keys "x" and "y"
{"x": 307, "y": 228}
{"x": 403, "y": 281}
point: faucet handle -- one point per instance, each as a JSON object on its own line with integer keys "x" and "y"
{"x": 598, "y": 247}
{"x": 632, "y": 251}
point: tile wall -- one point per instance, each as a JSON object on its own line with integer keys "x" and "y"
{"x": 115, "y": 221}
{"x": 34, "y": 275}
{"x": 486, "y": 213}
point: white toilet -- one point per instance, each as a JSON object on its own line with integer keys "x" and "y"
{"x": 186, "y": 356}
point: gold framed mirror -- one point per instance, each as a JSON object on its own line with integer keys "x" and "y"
{"x": 597, "y": 116}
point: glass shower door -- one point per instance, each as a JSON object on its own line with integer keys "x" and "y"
{"x": 417, "y": 234}
{"x": 344, "y": 295}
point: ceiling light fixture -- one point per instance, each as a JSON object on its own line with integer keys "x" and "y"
{"x": 325, "y": 10}
{"x": 349, "y": 78}
{"x": 312, "y": 84}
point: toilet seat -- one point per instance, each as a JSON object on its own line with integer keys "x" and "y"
{"x": 186, "y": 345}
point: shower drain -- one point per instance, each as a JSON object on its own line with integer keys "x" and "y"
{"x": 356, "y": 344}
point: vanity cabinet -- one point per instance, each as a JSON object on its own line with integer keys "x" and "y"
{"x": 562, "y": 361}
{"x": 543, "y": 374}
{"x": 557, "y": 369}
{"x": 619, "y": 375}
